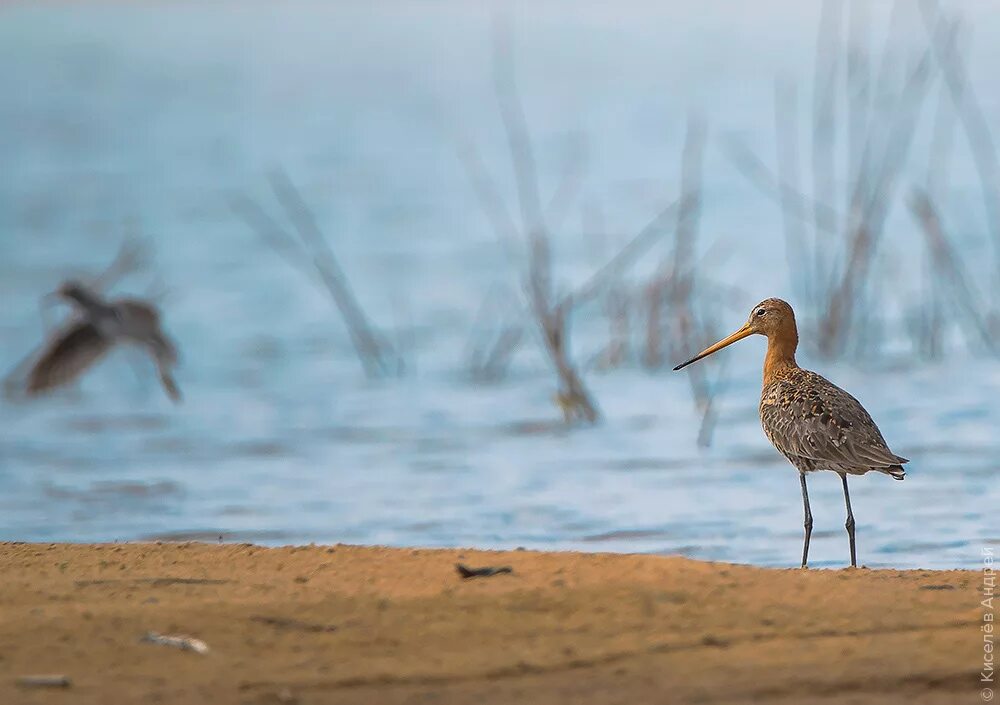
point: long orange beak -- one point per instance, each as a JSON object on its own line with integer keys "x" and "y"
{"x": 738, "y": 335}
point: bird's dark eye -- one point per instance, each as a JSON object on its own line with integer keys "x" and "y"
{"x": 761, "y": 312}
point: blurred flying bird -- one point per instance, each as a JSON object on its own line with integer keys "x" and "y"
{"x": 97, "y": 326}
{"x": 810, "y": 420}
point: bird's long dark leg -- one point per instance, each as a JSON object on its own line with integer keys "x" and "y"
{"x": 850, "y": 521}
{"x": 808, "y": 524}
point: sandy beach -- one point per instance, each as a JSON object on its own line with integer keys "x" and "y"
{"x": 352, "y": 624}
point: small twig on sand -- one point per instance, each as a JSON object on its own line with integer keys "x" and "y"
{"x": 293, "y": 624}
{"x": 184, "y": 643}
{"x": 45, "y": 681}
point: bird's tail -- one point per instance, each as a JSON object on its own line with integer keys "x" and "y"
{"x": 170, "y": 385}
{"x": 895, "y": 471}
{"x": 165, "y": 356}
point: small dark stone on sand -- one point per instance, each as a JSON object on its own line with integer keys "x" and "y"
{"x": 485, "y": 572}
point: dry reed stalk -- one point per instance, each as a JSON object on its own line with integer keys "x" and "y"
{"x": 677, "y": 285}
{"x": 617, "y": 303}
{"x": 494, "y": 338}
{"x": 941, "y": 32}
{"x": 949, "y": 269}
{"x": 531, "y": 239}
{"x": 833, "y": 255}
{"x": 826, "y": 74}
{"x": 669, "y": 294}
{"x": 873, "y": 195}
{"x": 552, "y": 315}
{"x": 312, "y": 256}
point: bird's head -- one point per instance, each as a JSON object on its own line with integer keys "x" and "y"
{"x": 771, "y": 317}
{"x": 74, "y": 290}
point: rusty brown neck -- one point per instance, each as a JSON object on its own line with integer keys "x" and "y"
{"x": 780, "y": 352}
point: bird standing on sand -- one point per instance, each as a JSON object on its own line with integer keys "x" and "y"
{"x": 810, "y": 420}
{"x": 98, "y": 327}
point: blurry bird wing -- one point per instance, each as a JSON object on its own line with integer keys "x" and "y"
{"x": 170, "y": 385}
{"x": 68, "y": 355}
{"x": 164, "y": 354}
{"x": 161, "y": 347}
{"x": 137, "y": 311}
{"x": 814, "y": 419}
{"x": 141, "y": 323}
{"x": 15, "y": 381}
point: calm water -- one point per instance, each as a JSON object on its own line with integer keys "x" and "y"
{"x": 115, "y": 118}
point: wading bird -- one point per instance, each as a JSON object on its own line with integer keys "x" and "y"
{"x": 810, "y": 420}
{"x": 97, "y": 327}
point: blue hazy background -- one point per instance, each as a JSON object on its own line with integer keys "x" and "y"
{"x": 121, "y": 119}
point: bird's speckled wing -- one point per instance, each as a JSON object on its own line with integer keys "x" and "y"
{"x": 70, "y": 353}
{"x": 810, "y": 419}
